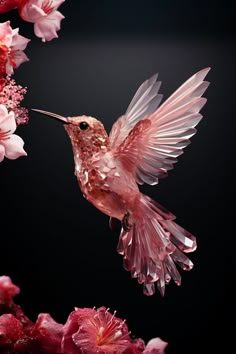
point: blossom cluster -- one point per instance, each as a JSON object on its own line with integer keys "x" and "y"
{"x": 12, "y": 55}
{"x": 86, "y": 331}
{"x": 47, "y": 20}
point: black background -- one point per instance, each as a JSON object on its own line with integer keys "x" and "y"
{"x": 55, "y": 245}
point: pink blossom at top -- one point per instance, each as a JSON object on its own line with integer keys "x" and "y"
{"x": 44, "y": 15}
{"x": 12, "y": 45}
{"x": 5, "y": 42}
{"x": 8, "y": 290}
{"x": 11, "y": 145}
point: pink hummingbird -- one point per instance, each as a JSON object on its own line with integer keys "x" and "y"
{"x": 142, "y": 146}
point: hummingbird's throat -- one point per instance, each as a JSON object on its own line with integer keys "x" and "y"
{"x": 84, "y": 150}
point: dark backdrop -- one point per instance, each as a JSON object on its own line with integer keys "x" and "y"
{"x": 55, "y": 245}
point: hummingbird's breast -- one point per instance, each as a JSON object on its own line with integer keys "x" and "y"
{"x": 105, "y": 184}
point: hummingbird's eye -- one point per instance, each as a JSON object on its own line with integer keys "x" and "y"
{"x": 83, "y": 125}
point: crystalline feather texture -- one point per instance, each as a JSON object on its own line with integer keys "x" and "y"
{"x": 145, "y": 100}
{"x": 155, "y": 243}
{"x": 152, "y": 246}
{"x": 152, "y": 146}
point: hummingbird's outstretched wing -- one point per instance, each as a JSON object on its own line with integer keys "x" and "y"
{"x": 154, "y": 143}
{"x": 145, "y": 101}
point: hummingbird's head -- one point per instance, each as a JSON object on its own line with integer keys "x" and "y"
{"x": 86, "y": 130}
{"x": 87, "y": 134}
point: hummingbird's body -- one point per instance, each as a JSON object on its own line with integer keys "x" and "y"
{"x": 101, "y": 177}
{"x": 141, "y": 147}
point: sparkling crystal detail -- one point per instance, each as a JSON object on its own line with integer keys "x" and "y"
{"x": 183, "y": 239}
{"x": 148, "y": 289}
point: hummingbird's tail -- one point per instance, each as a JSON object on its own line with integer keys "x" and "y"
{"x": 153, "y": 245}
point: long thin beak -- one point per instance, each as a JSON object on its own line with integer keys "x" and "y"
{"x": 50, "y": 114}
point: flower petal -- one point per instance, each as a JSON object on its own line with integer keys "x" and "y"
{"x": 2, "y": 152}
{"x": 14, "y": 147}
{"x": 8, "y": 290}
{"x": 6, "y": 33}
{"x": 32, "y": 11}
{"x": 155, "y": 346}
{"x": 71, "y": 326}
{"x": 18, "y": 41}
{"x": 57, "y": 3}
{"x": 19, "y": 57}
{"x": 10, "y": 328}
{"x": 49, "y": 333}
{"x": 16, "y": 56}
{"x": 9, "y": 67}
{"x": 7, "y": 120}
{"x": 47, "y": 27}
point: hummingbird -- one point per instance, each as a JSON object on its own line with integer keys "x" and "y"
{"x": 142, "y": 146}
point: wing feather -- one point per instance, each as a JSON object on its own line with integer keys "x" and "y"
{"x": 144, "y": 102}
{"x": 154, "y": 143}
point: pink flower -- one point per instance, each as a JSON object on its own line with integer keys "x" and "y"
{"x": 155, "y": 346}
{"x": 94, "y": 331}
{"x": 48, "y": 333}
{"x": 44, "y": 15}
{"x": 11, "y": 145}
{"x": 5, "y": 40}
{"x": 8, "y": 290}
{"x": 17, "y": 56}
{"x": 12, "y": 45}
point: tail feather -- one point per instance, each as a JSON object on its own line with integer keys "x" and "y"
{"x": 153, "y": 246}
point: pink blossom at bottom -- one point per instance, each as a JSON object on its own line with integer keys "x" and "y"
{"x": 86, "y": 331}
